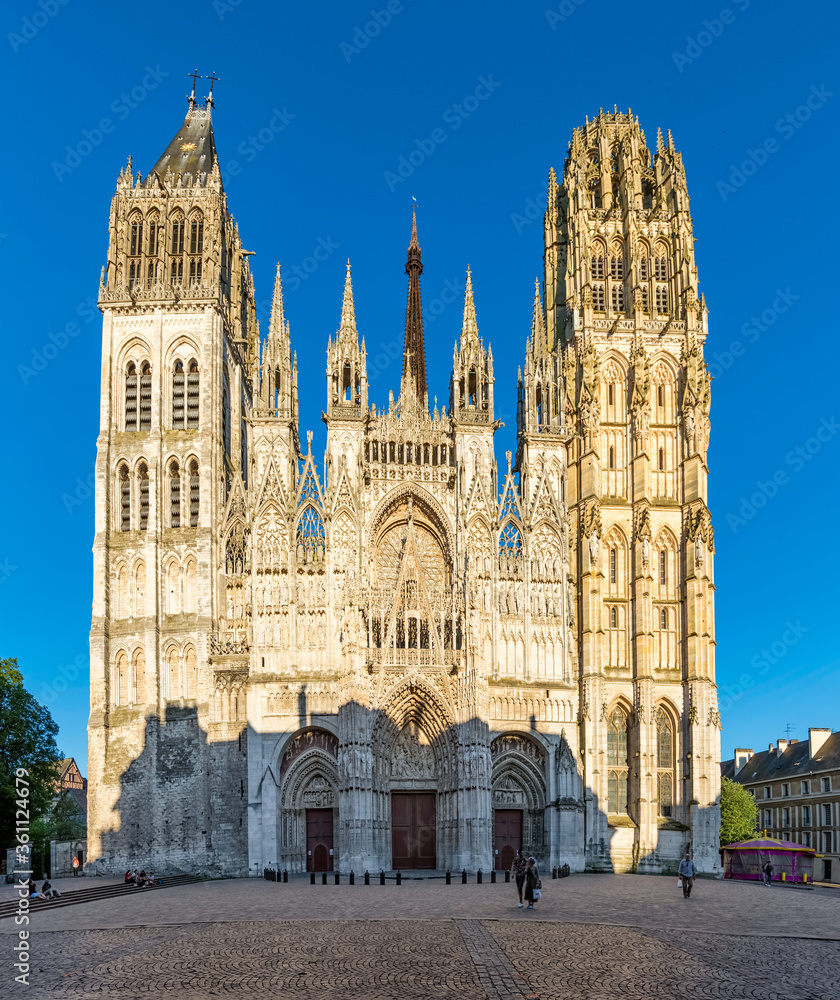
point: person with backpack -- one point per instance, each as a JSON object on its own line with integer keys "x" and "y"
{"x": 768, "y": 873}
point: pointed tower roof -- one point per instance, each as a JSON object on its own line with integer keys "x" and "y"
{"x": 538, "y": 334}
{"x": 277, "y": 323}
{"x": 348, "y": 309}
{"x": 469, "y": 330}
{"x": 193, "y": 149}
{"x": 414, "y": 353}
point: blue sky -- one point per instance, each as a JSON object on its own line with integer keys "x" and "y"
{"x": 318, "y": 106}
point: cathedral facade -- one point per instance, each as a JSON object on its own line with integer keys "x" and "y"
{"x": 407, "y": 656}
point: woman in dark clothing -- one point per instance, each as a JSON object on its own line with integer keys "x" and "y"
{"x": 532, "y": 881}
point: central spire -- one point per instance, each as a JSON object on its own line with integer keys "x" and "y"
{"x": 414, "y": 353}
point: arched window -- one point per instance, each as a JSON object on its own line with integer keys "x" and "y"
{"x": 135, "y": 236}
{"x": 616, "y": 261}
{"x": 665, "y": 762}
{"x": 647, "y": 195}
{"x": 617, "y": 762}
{"x": 178, "y": 385}
{"x": 594, "y": 194}
{"x": 510, "y": 540}
{"x": 597, "y": 261}
{"x": 662, "y": 298}
{"x": 145, "y": 396}
{"x": 663, "y": 567}
{"x": 122, "y": 603}
{"x": 618, "y": 298}
{"x": 197, "y": 235}
{"x": 138, "y": 678}
{"x": 195, "y": 493}
{"x": 143, "y": 496}
{"x": 598, "y": 298}
{"x": 613, "y": 565}
{"x": 473, "y": 388}
{"x": 613, "y": 617}
{"x": 174, "y": 495}
{"x": 661, "y": 458}
{"x": 125, "y": 498}
{"x": 177, "y": 243}
{"x": 191, "y": 673}
{"x": 173, "y": 588}
{"x": 190, "y": 584}
{"x": 173, "y": 676}
{"x": 612, "y": 455}
{"x": 153, "y": 236}
{"x": 140, "y": 590}
{"x": 131, "y": 397}
{"x": 195, "y": 270}
{"x": 346, "y": 381}
{"x": 119, "y": 694}
{"x": 539, "y": 403}
{"x": 660, "y": 262}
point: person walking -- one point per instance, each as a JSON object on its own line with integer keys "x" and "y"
{"x": 687, "y": 872}
{"x": 768, "y": 873}
{"x": 533, "y": 885}
{"x": 520, "y": 862}
{"x": 75, "y": 866}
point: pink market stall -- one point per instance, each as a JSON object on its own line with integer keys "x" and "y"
{"x": 746, "y": 859}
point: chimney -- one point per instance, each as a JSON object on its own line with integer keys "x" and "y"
{"x": 742, "y": 755}
{"x": 816, "y": 738}
{"x": 781, "y": 746}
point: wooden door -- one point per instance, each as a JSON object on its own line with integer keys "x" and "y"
{"x": 507, "y": 836}
{"x": 413, "y": 830}
{"x": 319, "y": 840}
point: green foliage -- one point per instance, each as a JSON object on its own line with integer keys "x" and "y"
{"x": 738, "y": 813}
{"x": 27, "y": 741}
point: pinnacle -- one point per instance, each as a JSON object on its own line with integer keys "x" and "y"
{"x": 348, "y": 309}
{"x": 277, "y": 323}
{"x": 538, "y": 336}
{"x": 469, "y": 330}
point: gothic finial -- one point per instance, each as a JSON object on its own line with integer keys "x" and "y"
{"x": 277, "y": 322}
{"x": 469, "y": 329}
{"x": 509, "y": 457}
{"x": 670, "y": 141}
{"x": 348, "y": 309}
{"x": 538, "y": 336}
{"x": 309, "y": 442}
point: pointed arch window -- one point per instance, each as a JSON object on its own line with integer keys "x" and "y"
{"x": 594, "y": 195}
{"x": 665, "y": 756}
{"x": 195, "y": 270}
{"x": 617, "y": 762}
{"x": 617, "y": 261}
{"x": 661, "y": 459}
{"x": 644, "y": 269}
{"x": 618, "y": 298}
{"x": 190, "y": 673}
{"x": 613, "y": 617}
{"x": 662, "y": 298}
{"x": 145, "y": 396}
{"x": 131, "y": 397}
{"x": 192, "y": 394}
{"x": 173, "y": 678}
{"x": 119, "y": 694}
{"x": 197, "y": 235}
{"x": 310, "y": 529}
{"x": 195, "y": 493}
{"x": 179, "y": 379}
{"x": 122, "y": 601}
{"x": 190, "y": 583}
{"x": 124, "y": 486}
{"x": 135, "y": 237}
{"x": 138, "y": 678}
{"x": 174, "y": 495}
{"x": 663, "y": 567}
{"x": 612, "y": 457}
{"x": 176, "y": 246}
{"x": 143, "y": 497}
{"x": 152, "y": 248}
{"x": 597, "y": 262}
{"x": 663, "y": 619}
{"x": 660, "y": 262}
{"x": 510, "y": 540}
{"x": 140, "y": 590}
{"x": 613, "y": 564}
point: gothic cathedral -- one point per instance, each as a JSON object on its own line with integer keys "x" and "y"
{"x": 407, "y": 657}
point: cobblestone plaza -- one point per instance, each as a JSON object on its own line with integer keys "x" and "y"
{"x": 592, "y": 936}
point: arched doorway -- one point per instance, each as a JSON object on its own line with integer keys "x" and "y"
{"x": 518, "y": 795}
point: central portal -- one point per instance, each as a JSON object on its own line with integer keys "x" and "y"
{"x": 413, "y": 830}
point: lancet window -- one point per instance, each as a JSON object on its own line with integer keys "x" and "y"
{"x": 195, "y": 493}
{"x": 124, "y": 486}
{"x": 192, "y": 394}
{"x": 131, "y": 386}
{"x": 143, "y": 497}
{"x": 617, "y": 762}
{"x": 178, "y": 386}
{"x": 174, "y": 494}
{"x": 665, "y": 756}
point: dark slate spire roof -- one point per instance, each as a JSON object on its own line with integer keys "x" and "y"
{"x": 414, "y": 355}
{"x": 192, "y": 150}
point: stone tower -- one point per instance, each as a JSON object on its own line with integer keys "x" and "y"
{"x": 625, "y": 317}
{"x": 179, "y": 339}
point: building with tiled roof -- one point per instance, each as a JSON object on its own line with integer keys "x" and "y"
{"x": 796, "y": 785}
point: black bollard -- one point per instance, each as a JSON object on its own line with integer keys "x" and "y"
{"x": 352, "y": 877}
{"x": 464, "y": 877}
{"x": 554, "y": 873}
{"x": 493, "y": 876}
{"x": 448, "y": 877}
{"x": 507, "y": 876}
{"x": 367, "y": 878}
{"x": 337, "y": 879}
{"x": 323, "y": 878}
{"x": 382, "y": 878}
{"x": 478, "y": 877}
{"x": 399, "y": 878}
{"x": 285, "y": 874}
{"x": 312, "y": 878}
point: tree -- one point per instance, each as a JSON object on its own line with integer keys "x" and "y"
{"x": 738, "y": 813}
{"x": 27, "y": 742}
